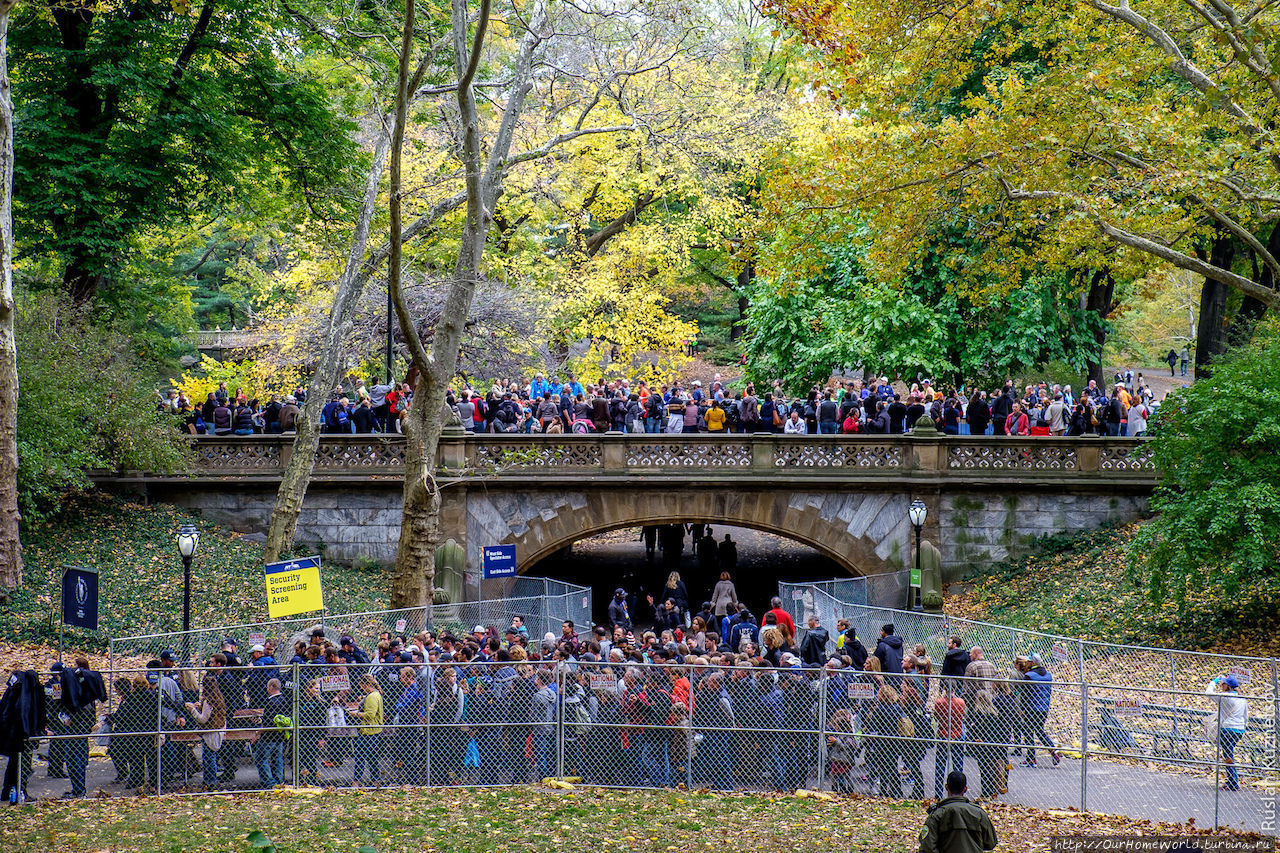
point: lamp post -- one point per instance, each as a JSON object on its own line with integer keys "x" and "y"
{"x": 917, "y": 513}
{"x": 188, "y": 539}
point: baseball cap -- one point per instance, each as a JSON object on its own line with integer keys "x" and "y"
{"x": 1232, "y": 682}
{"x": 257, "y": 647}
{"x": 229, "y": 641}
{"x": 344, "y": 640}
{"x": 167, "y": 655}
{"x": 479, "y": 629}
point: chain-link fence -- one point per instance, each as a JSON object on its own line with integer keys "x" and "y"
{"x": 543, "y": 605}
{"x": 1027, "y": 733}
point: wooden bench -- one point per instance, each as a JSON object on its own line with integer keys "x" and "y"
{"x": 246, "y": 726}
{"x": 1173, "y": 731}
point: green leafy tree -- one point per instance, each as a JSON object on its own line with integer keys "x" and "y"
{"x": 135, "y": 115}
{"x": 923, "y": 325}
{"x": 1218, "y": 446}
{"x": 84, "y": 404}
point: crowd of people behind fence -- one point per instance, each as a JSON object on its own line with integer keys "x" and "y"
{"x": 730, "y": 701}
{"x": 552, "y": 406}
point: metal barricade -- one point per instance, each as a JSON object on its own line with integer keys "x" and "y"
{"x": 718, "y": 721}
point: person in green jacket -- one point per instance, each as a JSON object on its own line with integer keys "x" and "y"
{"x": 956, "y": 825}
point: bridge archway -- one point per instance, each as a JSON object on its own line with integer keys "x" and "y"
{"x": 863, "y": 532}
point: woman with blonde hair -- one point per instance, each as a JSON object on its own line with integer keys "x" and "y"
{"x": 679, "y": 593}
{"x": 885, "y": 729}
{"x": 211, "y": 715}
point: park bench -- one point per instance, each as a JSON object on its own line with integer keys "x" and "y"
{"x": 1172, "y": 732}
{"x": 246, "y": 725}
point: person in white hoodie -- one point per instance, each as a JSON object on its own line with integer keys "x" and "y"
{"x": 1232, "y": 717}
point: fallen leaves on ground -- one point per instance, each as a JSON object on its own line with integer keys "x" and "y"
{"x": 460, "y": 820}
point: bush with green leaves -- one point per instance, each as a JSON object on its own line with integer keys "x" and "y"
{"x": 1217, "y": 445}
{"x": 83, "y": 404}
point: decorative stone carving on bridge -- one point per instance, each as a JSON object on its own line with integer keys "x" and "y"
{"x": 1022, "y": 456}
{"x": 1126, "y": 458}
{"x": 731, "y": 454}
{"x": 838, "y": 456}
{"x": 353, "y": 456}
{"x": 536, "y": 453}
{"x": 235, "y": 454}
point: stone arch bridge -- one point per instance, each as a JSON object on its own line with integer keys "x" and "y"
{"x": 845, "y": 496}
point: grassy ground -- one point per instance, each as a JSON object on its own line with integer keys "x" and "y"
{"x": 133, "y": 548}
{"x": 471, "y": 821}
{"x": 1077, "y": 586}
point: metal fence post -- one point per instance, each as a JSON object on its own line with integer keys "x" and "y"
{"x": 429, "y": 712}
{"x": 160, "y": 732}
{"x": 297, "y": 689}
{"x": 1275, "y": 715}
{"x": 1084, "y": 729}
{"x": 1173, "y": 687}
{"x": 821, "y": 751}
{"x": 559, "y": 711}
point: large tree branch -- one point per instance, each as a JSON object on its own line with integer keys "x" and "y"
{"x": 1243, "y": 233}
{"x": 395, "y": 202}
{"x": 597, "y": 240}
{"x": 1268, "y": 297}
{"x": 1165, "y": 252}
{"x": 1180, "y": 65}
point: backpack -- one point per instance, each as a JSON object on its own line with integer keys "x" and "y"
{"x": 579, "y": 716}
{"x": 284, "y": 723}
{"x": 341, "y": 417}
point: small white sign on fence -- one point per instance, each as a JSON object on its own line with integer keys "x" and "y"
{"x": 1060, "y": 653}
{"x": 797, "y": 595}
{"x": 401, "y": 625}
{"x": 1127, "y": 708}
{"x": 586, "y": 602}
{"x": 56, "y": 690}
{"x": 603, "y": 681}
{"x": 257, "y": 638}
{"x": 335, "y": 683}
{"x": 862, "y": 690}
{"x": 1243, "y": 674}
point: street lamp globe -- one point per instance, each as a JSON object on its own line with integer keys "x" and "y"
{"x": 188, "y": 539}
{"x": 917, "y": 512}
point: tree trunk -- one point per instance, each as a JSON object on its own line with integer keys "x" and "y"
{"x": 297, "y": 474}
{"x": 745, "y": 276}
{"x": 1102, "y": 288}
{"x": 1211, "y": 336}
{"x": 10, "y": 534}
{"x": 414, "y": 572}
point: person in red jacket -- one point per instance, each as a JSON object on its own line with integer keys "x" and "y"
{"x": 1017, "y": 423}
{"x": 948, "y": 716}
{"x": 782, "y": 617}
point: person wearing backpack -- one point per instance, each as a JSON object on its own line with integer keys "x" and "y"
{"x": 337, "y": 416}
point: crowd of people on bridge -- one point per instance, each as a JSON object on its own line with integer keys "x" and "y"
{"x": 720, "y": 698}
{"x": 544, "y": 405}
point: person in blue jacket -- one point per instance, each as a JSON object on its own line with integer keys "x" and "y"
{"x": 1039, "y": 690}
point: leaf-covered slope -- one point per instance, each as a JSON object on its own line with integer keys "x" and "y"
{"x": 132, "y": 546}
{"x": 1078, "y": 586}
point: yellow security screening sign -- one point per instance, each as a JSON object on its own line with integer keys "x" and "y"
{"x": 293, "y": 587}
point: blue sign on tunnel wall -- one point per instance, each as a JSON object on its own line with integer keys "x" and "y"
{"x": 499, "y": 561}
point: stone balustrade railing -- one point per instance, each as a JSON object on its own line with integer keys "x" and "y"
{"x": 223, "y": 338}
{"x": 376, "y": 457}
